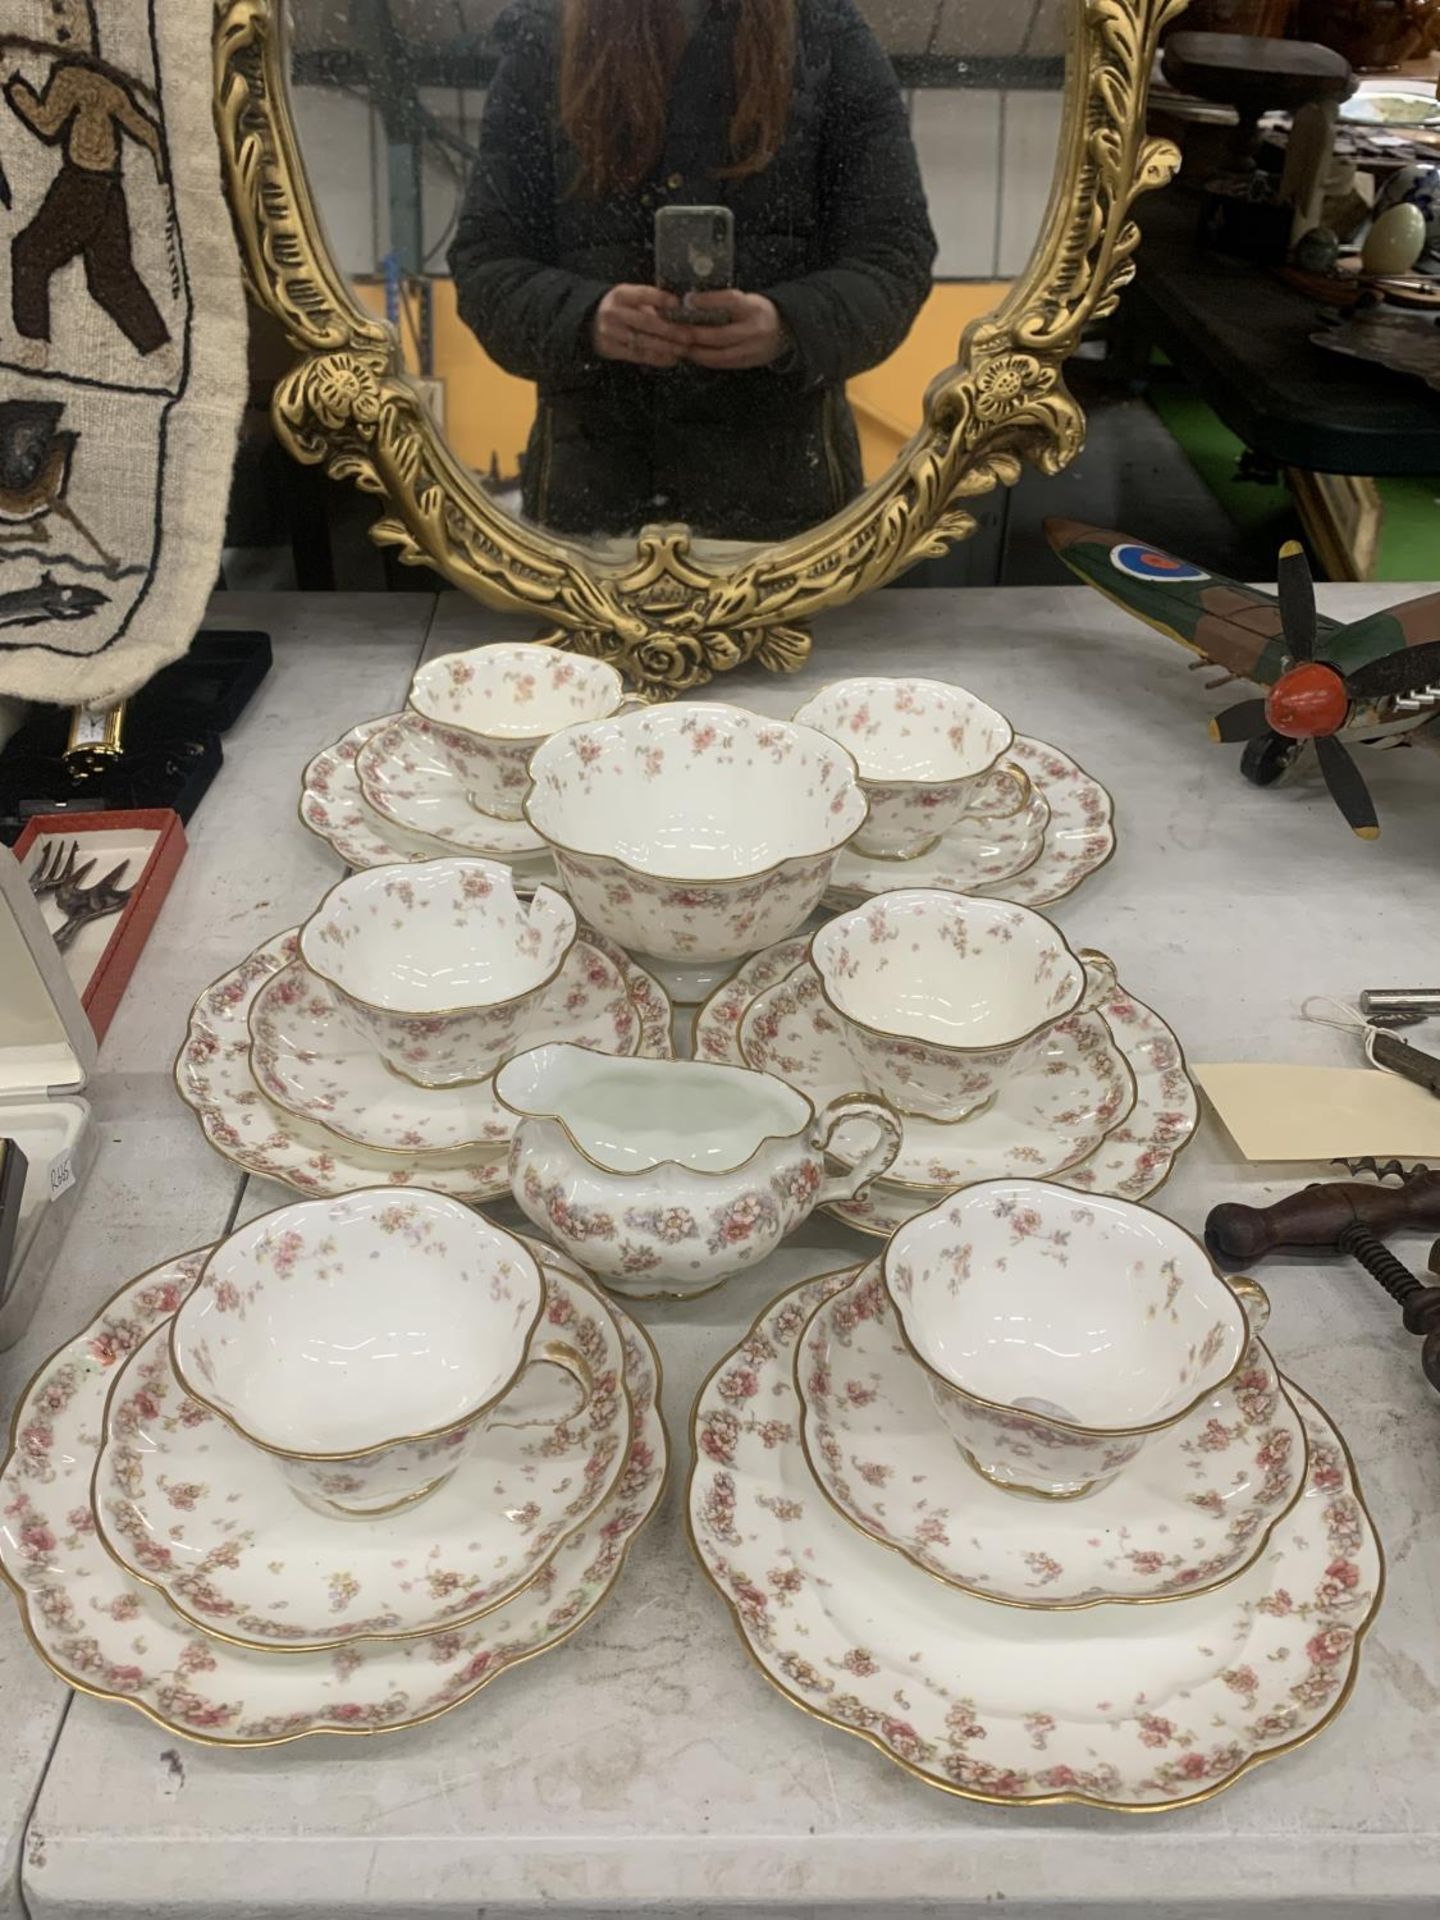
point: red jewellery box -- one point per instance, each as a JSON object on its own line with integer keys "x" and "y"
{"x": 146, "y": 845}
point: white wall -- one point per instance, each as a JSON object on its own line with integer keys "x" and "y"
{"x": 342, "y": 141}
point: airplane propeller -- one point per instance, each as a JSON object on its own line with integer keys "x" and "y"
{"x": 1313, "y": 701}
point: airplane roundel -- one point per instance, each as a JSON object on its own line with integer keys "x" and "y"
{"x": 1146, "y": 563}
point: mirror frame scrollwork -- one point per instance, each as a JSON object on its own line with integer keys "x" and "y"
{"x": 667, "y": 618}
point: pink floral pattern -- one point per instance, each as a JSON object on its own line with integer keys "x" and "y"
{"x": 688, "y": 922}
{"x": 995, "y": 859}
{"x": 278, "y": 1292}
{"x": 678, "y": 1230}
{"x": 909, "y": 959}
{"x": 100, "y": 1632}
{"x": 1132, "y": 1162}
{"x": 928, "y": 753}
{"x": 941, "y": 1683}
{"x": 392, "y": 942}
{"x": 306, "y": 1059}
{"x": 1115, "y": 1323}
{"x": 1043, "y": 1121}
{"x": 654, "y": 782}
{"x": 214, "y": 1078}
{"x": 494, "y": 704}
{"x": 192, "y": 1509}
{"x": 333, "y": 806}
{"x": 1197, "y": 1509}
{"x": 407, "y": 776}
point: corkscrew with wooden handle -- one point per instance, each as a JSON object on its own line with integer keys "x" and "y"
{"x": 1351, "y": 1219}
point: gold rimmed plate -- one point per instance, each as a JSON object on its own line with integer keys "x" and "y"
{"x": 306, "y": 1057}
{"x": 1134, "y": 1159}
{"x": 1127, "y": 1709}
{"x": 995, "y": 857}
{"x": 107, "y": 1635}
{"x": 214, "y": 1079}
{"x": 1192, "y": 1512}
{"x": 184, "y": 1503}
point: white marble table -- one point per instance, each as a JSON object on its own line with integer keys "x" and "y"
{"x": 645, "y": 1766}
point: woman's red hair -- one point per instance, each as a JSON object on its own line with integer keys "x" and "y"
{"x": 617, "y": 64}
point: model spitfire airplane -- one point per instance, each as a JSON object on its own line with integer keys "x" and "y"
{"x": 1375, "y": 682}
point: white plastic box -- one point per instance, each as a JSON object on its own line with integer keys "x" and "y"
{"x": 47, "y": 1052}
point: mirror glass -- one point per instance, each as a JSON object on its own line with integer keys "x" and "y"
{"x": 678, "y": 260}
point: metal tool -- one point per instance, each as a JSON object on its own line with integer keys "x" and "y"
{"x": 82, "y": 905}
{"x": 1347, "y": 1219}
{"x": 1386, "y": 1169}
{"x": 1400, "y": 1006}
{"x": 1382, "y": 1049}
{"x": 1422, "y": 1000}
{"x": 56, "y": 868}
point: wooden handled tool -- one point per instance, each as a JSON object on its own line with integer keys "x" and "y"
{"x": 1318, "y": 1215}
{"x": 1347, "y": 1219}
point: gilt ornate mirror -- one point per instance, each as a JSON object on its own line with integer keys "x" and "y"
{"x": 674, "y": 322}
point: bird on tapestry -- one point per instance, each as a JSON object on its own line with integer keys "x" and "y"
{"x": 35, "y": 460}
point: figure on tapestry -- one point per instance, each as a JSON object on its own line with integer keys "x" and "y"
{"x": 86, "y": 108}
{"x": 122, "y": 342}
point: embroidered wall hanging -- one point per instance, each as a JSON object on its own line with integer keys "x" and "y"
{"x": 122, "y": 342}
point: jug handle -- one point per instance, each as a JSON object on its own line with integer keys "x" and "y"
{"x": 853, "y": 1182}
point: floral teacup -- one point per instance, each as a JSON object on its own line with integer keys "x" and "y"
{"x": 941, "y": 997}
{"x": 1059, "y": 1332}
{"x": 365, "y": 1341}
{"x": 694, "y": 834}
{"x": 929, "y": 755}
{"x": 438, "y": 964}
{"x": 494, "y": 705}
{"x": 670, "y": 1175}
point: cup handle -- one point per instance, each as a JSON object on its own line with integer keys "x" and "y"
{"x": 1254, "y": 1299}
{"x": 1100, "y": 980}
{"x": 1018, "y": 781}
{"x": 851, "y": 1184}
{"x": 556, "y": 1353}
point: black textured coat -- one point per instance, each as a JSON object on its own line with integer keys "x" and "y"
{"x": 835, "y": 231}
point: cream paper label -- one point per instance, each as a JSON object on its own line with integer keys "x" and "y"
{"x": 1322, "y": 1113}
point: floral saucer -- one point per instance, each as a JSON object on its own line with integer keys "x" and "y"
{"x": 188, "y": 1506}
{"x": 107, "y": 1635}
{"x": 1124, "y": 1708}
{"x": 405, "y": 778}
{"x": 305, "y": 1057}
{"x": 1196, "y": 1508}
{"x": 1075, "y": 816}
{"x": 1131, "y": 1162}
{"x": 213, "y": 1076}
{"x": 1042, "y": 1121}
{"x": 333, "y": 806}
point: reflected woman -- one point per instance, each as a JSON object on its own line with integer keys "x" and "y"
{"x": 600, "y": 113}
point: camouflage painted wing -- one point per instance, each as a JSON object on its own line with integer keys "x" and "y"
{"x": 1221, "y": 620}
{"x": 1415, "y": 623}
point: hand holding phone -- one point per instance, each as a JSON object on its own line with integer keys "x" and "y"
{"x": 630, "y": 324}
{"x": 694, "y": 254}
{"x": 747, "y": 331}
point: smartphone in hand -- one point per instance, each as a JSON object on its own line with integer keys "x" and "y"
{"x": 694, "y": 253}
